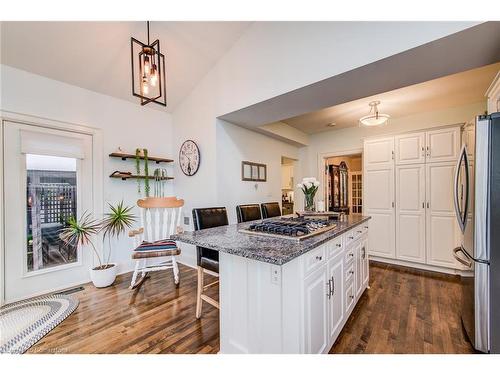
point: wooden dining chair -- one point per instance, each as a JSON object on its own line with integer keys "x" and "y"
{"x": 160, "y": 218}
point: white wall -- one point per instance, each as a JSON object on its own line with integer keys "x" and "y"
{"x": 241, "y": 144}
{"x": 270, "y": 59}
{"x": 348, "y": 139}
{"x": 122, "y": 123}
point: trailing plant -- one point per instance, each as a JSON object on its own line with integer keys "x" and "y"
{"x": 138, "y": 168}
{"x": 146, "y": 173}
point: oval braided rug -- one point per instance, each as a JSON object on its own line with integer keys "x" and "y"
{"x": 23, "y": 323}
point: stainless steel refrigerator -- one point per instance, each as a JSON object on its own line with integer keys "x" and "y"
{"x": 477, "y": 205}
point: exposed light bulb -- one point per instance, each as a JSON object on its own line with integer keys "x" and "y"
{"x": 145, "y": 87}
{"x": 154, "y": 76}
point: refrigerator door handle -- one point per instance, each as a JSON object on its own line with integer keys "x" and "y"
{"x": 461, "y": 260}
{"x": 462, "y": 216}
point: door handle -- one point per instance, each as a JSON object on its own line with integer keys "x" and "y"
{"x": 465, "y": 262}
{"x": 333, "y": 286}
{"x": 462, "y": 218}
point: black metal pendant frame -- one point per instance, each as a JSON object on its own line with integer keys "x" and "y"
{"x": 162, "y": 97}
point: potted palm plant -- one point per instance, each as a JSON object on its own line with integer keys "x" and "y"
{"x": 80, "y": 233}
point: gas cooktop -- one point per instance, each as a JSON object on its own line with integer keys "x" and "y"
{"x": 294, "y": 228}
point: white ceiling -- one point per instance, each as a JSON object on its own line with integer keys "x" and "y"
{"x": 96, "y": 55}
{"x": 446, "y": 92}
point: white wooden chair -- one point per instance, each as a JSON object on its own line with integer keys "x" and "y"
{"x": 160, "y": 218}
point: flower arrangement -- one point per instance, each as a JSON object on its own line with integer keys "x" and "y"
{"x": 309, "y": 187}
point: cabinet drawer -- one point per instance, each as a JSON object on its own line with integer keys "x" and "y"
{"x": 314, "y": 259}
{"x": 350, "y": 237}
{"x": 334, "y": 247}
{"x": 349, "y": 296}
{"x": 349, "y": 255}
{"x": 349, "y": 273}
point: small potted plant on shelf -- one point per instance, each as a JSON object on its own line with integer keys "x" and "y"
{"x": 309, "y": 187}
{"x": 80, "y": 232}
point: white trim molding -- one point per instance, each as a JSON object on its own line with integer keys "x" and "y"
{"x": 97, "y": 171}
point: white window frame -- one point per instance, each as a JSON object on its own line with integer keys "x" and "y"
{"x": 97, "y": 177}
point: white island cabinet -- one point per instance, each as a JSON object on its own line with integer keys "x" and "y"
{"x": 298, "y": 307}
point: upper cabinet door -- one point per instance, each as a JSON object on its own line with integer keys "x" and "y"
{"x": 469, "y": 139}
{"x": 410, "y": 148}
{"x": 443, "y": 144}
{"x": 379, "y": 152}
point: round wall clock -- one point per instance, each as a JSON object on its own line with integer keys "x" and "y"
{"x": 189, "y": 158}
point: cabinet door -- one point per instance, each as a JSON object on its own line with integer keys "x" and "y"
{"x": 336, "y": 300}
{"x": 410, "y": 148}
{"x": 443, "y": 144}
{"x": 441, "y": 224}
{"x": 379, "y": 204}
{"x": 410, "y": 212}
{"x": 316, "y": 312}
{"x": 365, "y": 261}
{"x": 358, "y": 269}
{"x": 378, "y": 152}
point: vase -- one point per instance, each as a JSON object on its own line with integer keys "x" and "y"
{"x": 104, "y": 277}
{"x": 309, "y": 202}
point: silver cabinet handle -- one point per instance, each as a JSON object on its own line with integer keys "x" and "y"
{"x": 351, "y": 254}
{"x": 423, "y": 151}
{"x": 364, "y": 252}
{"x": 351, "y": 272}
{"x": 338, "y": 245}
{"x": 319, "y": 257}
{"x": 329, "y": 288}
{"x": 333, "y": 286}
{"x": 360, "y": 231}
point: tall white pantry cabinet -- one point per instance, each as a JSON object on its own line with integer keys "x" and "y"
{"x": 409, "y": 181}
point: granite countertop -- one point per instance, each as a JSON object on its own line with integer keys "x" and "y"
{"x": 265, "y": 249}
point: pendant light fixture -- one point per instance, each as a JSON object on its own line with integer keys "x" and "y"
{"x": 374, "y": 118}
{"x": 148, "y": 71}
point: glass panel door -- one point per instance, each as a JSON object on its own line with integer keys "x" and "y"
{"x": 47, "y": 179}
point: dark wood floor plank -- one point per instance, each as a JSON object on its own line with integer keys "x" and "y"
{"x": 405, "y": 311}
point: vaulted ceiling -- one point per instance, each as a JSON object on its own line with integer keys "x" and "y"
{"x": 96, "y": 55}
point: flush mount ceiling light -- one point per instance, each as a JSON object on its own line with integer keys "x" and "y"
{"x": 148, "y": 71}
{"x": 374, "y": 118}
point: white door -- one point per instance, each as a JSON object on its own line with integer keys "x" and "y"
{"x": 378, "y": 153}
{"x": 336, "y": 300}
{"x": 410, "y": 148}
{"x": 316, "y": 312}
{"x": 441, "y": 223}
{"x": 443, "y": 144}
{"x": 379, "y": 204}
{"x": 410, "y": 212}
{"x": 48, "y": 178}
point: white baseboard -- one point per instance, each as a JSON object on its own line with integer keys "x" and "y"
{"x": 420, "y": 266}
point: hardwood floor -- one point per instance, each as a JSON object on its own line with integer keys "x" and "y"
{"x": 156, "y": 318}
{"x": 405, "y": 311}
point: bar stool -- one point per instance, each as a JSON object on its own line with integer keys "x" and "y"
{"x": 207, "y": 259}
{"x": 248, "y": 212}
{"x": 271, "y": 209}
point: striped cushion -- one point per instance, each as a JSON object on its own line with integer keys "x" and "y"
{"x": 156, "y": 245}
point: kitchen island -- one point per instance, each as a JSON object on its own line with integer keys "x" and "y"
{"x": 279, "y": 295}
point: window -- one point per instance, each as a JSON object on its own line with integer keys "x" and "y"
{"x": 51, "y": 198}
{"x": 356, "y": 193}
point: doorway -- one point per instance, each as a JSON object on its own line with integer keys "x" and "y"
{"x": 287, "y": 185}
{"x": 343, "y": 181}
{"x": 47, "y": 179}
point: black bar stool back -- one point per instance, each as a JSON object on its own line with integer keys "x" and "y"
{"x": 248, "y": 212}
{"x": 271, "y": 209}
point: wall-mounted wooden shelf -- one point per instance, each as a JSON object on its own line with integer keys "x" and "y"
{"x": 125, "y": 176}
{"x": 125, "y": 156}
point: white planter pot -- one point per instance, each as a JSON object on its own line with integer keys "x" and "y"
{"x": 103, "y": 278}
